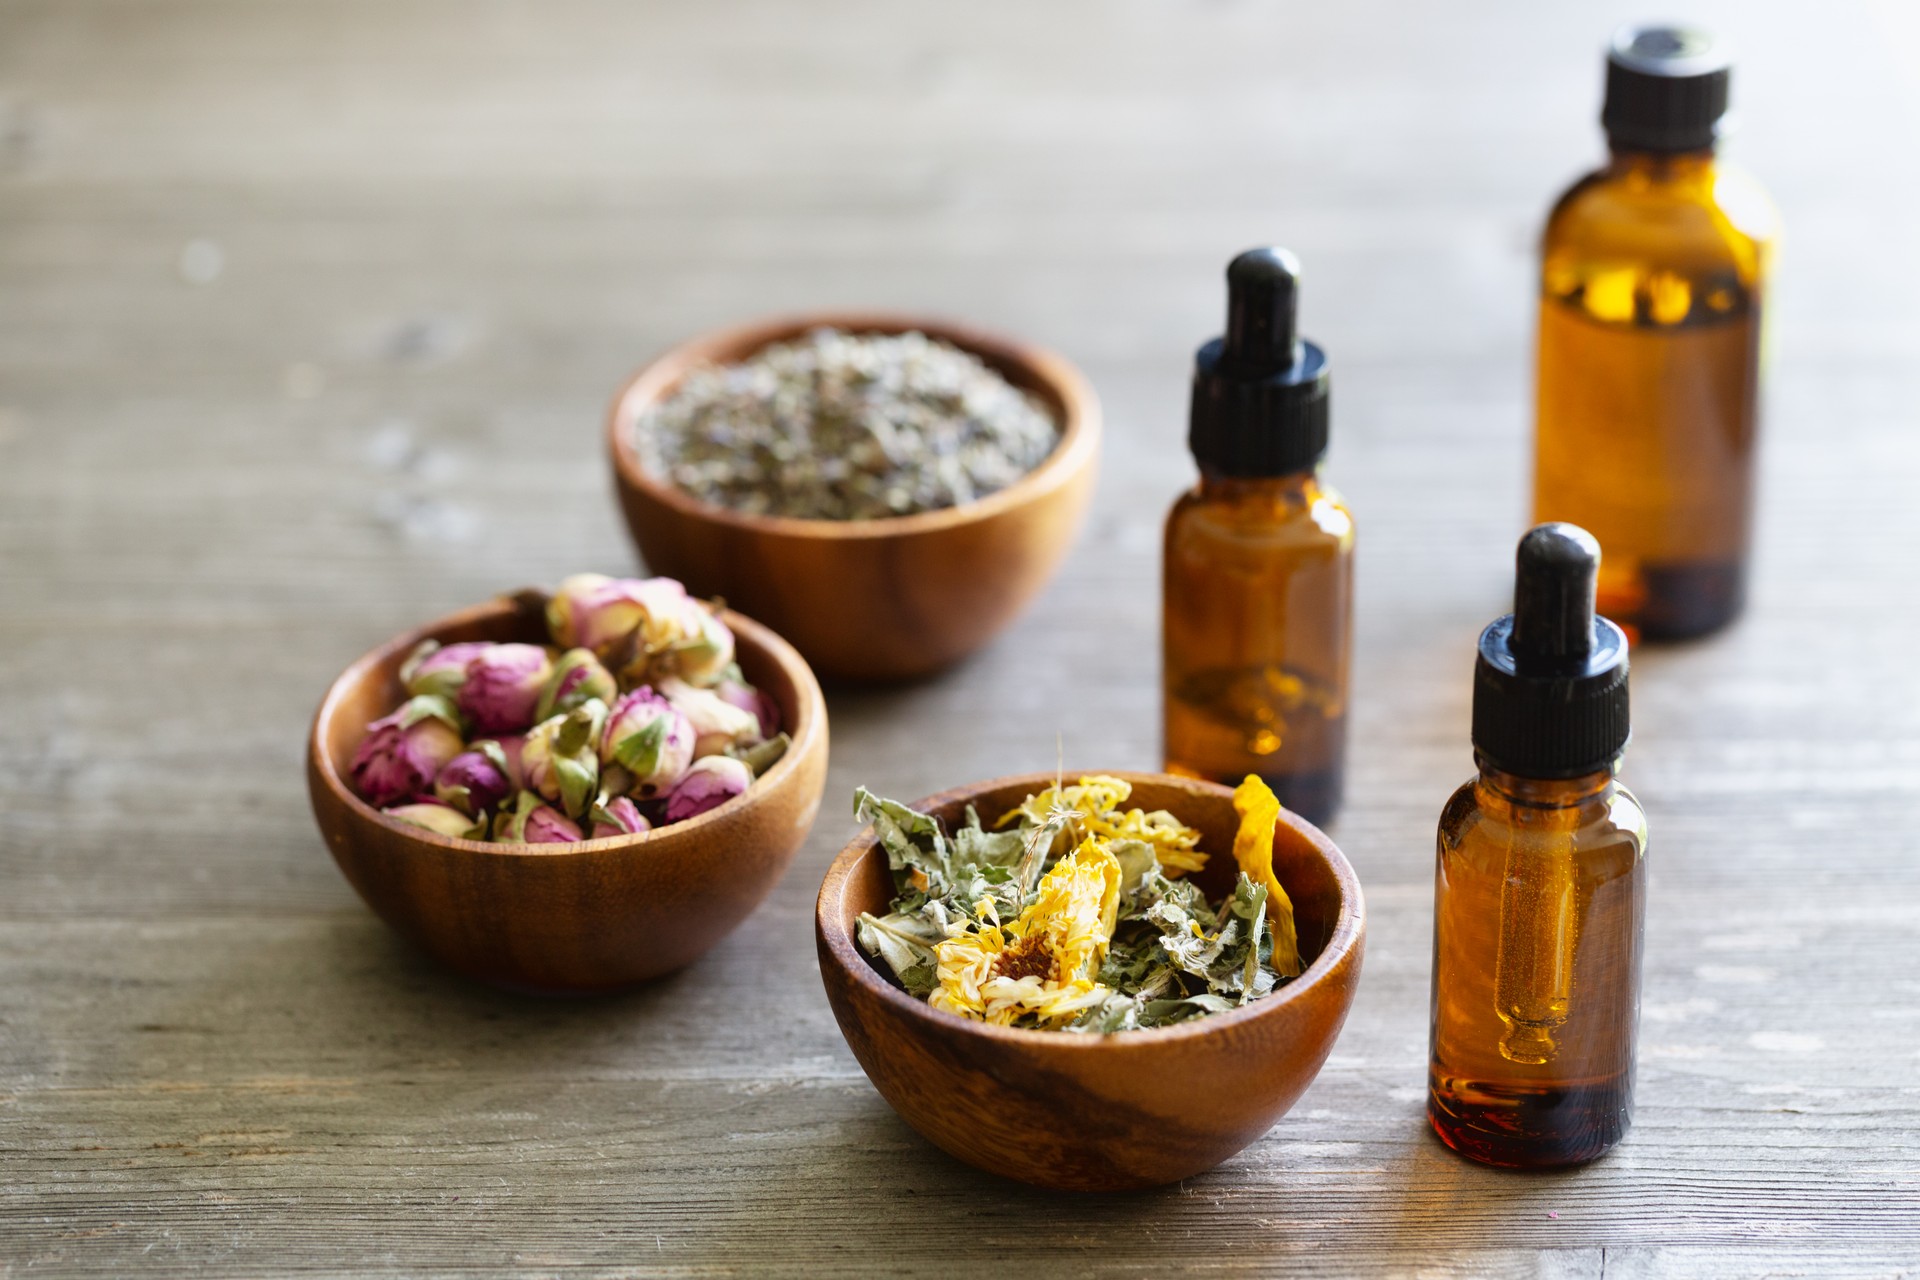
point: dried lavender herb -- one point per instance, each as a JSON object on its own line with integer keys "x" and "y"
{"x": 839, "y": 426}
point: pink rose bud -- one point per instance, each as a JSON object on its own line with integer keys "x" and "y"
{"x": 562, "y": 757}
{"x": 473, "y": 781}
{"x": 708, "y": 784}
{"x": 504, "y": 686}
{"x": 649, "y": 738}
{"x": 403, "y": 753}
{"x": 756, "y": 701}
{"x": 618, "y": 817}
{"x": 577, "y": 678}
{"x": 439, "y": 669}
{"x": 614, "y": 616}
{"x": 505, "y": 750}
{"x": 549, "y": 826}
{"x": 438, "y": 818}
{"x": 717, "y": 724}
{"x": 531, "y": 822}
{"x": 705, "y": 650}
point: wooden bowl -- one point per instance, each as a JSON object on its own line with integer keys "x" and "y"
{"x": 868, "y": 600}
{"x": 1089, "y": 1112}
{"x": 582, "y": 917}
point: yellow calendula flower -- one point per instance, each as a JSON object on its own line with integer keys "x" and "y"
{"x": 1097, "y": 798}
{"x": 1259, "y": 811}
{"x": 1043, "y": 963}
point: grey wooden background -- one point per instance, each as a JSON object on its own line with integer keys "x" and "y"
{"x": 308, "y": 315}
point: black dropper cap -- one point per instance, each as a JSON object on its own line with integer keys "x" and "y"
{"x": 1550, "y": 685}
{"x": 1666, "y": 89}
{"x": 1260, "y": 393}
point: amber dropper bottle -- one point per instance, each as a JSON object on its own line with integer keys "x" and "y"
{"x": 1257, "y": 576}
{"x": 1654, "y": 279}
{"x": 1540, "y": 884}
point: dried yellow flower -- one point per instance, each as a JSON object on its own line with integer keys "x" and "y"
{"x": 1096, "y": 802}
{"x": 1259, "y": 811}
{"x": 1043, "y": 963}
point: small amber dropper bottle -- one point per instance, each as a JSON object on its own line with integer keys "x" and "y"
{"x": 1654, "y": 275}
{"x": 1257, "y": 578}
{"x": 1540, "y": 884}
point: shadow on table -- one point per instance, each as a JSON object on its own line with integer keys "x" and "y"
{"x": 1394, "y": 1193}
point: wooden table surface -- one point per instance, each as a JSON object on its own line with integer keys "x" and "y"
{"x": 308, "y": 316}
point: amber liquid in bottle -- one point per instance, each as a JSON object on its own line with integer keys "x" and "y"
{"x": 1653, "y": 282}
{"x": 1257, "y": 609}
{"x": 1539, "y": 894}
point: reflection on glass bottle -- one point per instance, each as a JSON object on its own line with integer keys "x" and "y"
{"x": 1257, "y": 595}
{"x": 1654, "y": 273}
{"x": 1540, "y": 884}
{"x": 1258, "y": 602}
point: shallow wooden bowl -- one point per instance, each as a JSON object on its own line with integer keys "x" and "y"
{"x": 868, "y": 600}
{"x": 1087, "y": 1112}
{"x": 581, "y": 917}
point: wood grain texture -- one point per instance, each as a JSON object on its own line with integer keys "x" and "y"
{"x": 588, "y": 917}
{"x": 446, "y": 232}
{"x": 868, "y": 600}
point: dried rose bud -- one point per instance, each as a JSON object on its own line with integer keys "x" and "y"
{"x": 762, "y": 756}
{"x": 717, "y": 724}
{"x": 562, "y": 757}
{"x": 705, "y": 650}
{"x": 532, "y": 822}
{"x": 504, "y": 686}
{"x": 442, "y": 819}
{"x": 439, "y": 669}
{"x": 756, "y": 701}
{"x": 474, "y": 780}
{"x": 504, "y": 751}
{"x": 403, "y": 753}
{"x": 708, "y": 784}
{"x": 577, "y": 678}
{"x": 650, "y": 738}
{"x": 614, "y": 781}
{"x": 613, "y": 616}
{"x": 618, "y": 817}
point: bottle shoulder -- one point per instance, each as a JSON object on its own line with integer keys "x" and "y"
{"x": 1609, "y": 819}
{"x": 1625, "y": 814}
{"x": 1310, "y": 514}
{"x": 1715, "y": 220}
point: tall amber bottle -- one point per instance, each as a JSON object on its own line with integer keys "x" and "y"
{"x": 1540, "y": 884}
{"x": 1654, "y": 280}
{"x": 1257, "y": 589}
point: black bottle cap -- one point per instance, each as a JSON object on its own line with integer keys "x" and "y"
{"x": 1260, "y": 393}
{"x": 1666, "y": 89}
{"x": 1550, "y": 684}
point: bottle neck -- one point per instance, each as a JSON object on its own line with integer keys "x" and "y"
{"x": 1294, "y": 484}
{"x": 1662, "y": 168}
{"x": 1543, "y": 793}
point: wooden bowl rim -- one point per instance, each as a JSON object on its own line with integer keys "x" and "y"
{"x": 810, "y": 722}
{"x": 1079, "y": 427}
{"x": 1349, "y": 926}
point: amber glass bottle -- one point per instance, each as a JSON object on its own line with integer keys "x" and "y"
{"x": 1654, "y": 275}
{"x": 1540, "y": 884}
{"x": 1257, "y": 597}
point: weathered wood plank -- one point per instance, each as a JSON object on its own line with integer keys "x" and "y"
{"x": 164, "y": 1067}
{"x": 441, "y": 236}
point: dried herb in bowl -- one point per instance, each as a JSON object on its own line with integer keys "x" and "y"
{"x": 1073, "y": 913}
{"x": 840, "y": 426}
{"x": 636, "y": 716}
